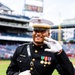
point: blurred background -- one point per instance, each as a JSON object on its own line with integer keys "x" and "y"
{"x": 16, "y": 30}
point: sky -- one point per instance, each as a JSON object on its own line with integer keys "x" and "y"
{"x": 54, "y": 10}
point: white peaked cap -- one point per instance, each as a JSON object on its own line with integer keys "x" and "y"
{"x": 41, "y": 23}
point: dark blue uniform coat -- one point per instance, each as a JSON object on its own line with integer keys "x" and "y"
{"x": 21, "y": 62}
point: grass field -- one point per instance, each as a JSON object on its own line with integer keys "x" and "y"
{"x": 4, "y": 64}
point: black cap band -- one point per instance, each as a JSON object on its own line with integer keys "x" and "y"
{"x": 40, "y": 29}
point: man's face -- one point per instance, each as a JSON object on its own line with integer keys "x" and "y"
{"x": 38, "y": 36}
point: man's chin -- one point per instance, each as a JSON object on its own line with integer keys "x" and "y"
{"x": 39, "y": 42}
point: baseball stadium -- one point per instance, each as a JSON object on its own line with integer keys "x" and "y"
{"x": 15, "y": 30}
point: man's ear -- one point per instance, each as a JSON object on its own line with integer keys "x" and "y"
{"x": 48, "y": 34}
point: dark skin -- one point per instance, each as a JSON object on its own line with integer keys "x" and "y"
{"x": 38, "y": 36}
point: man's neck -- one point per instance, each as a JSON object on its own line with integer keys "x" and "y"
{"x": 38, "y": 44}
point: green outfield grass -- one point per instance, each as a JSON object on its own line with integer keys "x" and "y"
{"x": 4, "y": 64}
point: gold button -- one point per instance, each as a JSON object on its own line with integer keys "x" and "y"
{"x": 44, "y": 65}
{"x": 33, "y": 59}
{"x": 31, "y": 68}
{"x": 36, "y": 51}
{"x": 20, "y": 61}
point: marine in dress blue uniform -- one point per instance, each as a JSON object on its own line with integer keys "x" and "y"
{"x": 42, "y": 56}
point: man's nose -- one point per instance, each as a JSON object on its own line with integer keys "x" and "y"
{"x": 39, "y": 32}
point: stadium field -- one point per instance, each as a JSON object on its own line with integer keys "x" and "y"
{"x": 4, "y": 64}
